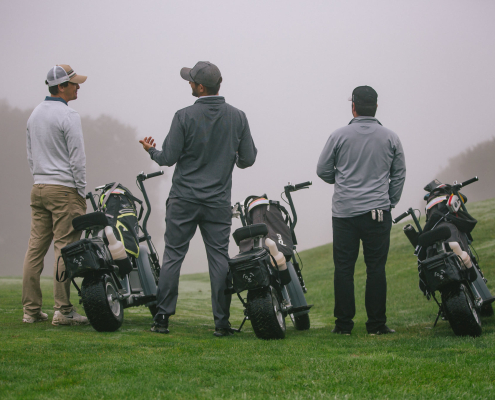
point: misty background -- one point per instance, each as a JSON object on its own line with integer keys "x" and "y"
{"x": 289, "y": 65}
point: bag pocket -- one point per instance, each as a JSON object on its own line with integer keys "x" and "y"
{"x": 442, "y": 270}
{"x": 85, "y": 256}
{"x": 250, "y": 270}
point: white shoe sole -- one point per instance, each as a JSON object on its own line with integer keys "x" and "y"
{"x": 33, "y": 320}
{"x": 69, "y": 322}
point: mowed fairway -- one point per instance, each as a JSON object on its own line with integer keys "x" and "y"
{"x": 41, "y": 361}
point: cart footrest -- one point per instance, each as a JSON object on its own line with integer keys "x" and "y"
{"x": 294, "y": 310}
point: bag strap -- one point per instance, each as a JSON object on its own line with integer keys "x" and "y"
{"x": 63, "y": 275}
{"x": 130, "y": 229}
{"x": 107, "y": 195}
{"x": 282, "y": 209}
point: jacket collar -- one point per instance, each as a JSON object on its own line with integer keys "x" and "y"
{"x": 366, "y": 120}
{"x": 211, "y": 100}
{"x": 49, "y": 98}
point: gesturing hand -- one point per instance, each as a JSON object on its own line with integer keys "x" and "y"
{"x": 148, "y": 143}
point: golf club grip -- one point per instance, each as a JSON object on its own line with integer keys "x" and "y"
{"x": 152, "y": 175}
{"x": 301, "y": 185}
{"x": 401, "y": 217}
{"x": 469, "y": 181}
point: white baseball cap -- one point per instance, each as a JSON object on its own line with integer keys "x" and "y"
{"x": 63, "y": 73}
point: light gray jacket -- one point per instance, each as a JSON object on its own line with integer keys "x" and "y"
{"x": 55, "y": 145}
{"x": 366, "y": 163}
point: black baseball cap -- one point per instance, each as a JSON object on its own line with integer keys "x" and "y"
{"x": 204, "y": 72}
{"x": 364, "y": 95}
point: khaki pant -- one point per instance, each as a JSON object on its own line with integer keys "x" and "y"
{"x": 53, "y": 207}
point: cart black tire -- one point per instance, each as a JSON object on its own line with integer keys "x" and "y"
{"x": 486, "y": 310}
{"x": 463, "y": 316}
{"x": 265, "y": 314}
{"x": 104, "y": 314}
{"x": 295, "y": 292}
{"x": 301, "y": 322}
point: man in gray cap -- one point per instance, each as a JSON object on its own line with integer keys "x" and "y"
{"x": 365, "y": 161}
{"x": 55, "y": 150}
{"x": 206, "y": 140}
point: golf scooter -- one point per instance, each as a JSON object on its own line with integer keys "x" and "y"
{"x": 274, "y": 283}
{"x": 446, "y": 262}
{"x": 109, "y": 286}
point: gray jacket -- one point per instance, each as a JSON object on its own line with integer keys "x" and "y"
{"x": 206, "y": 140}
{"x": 366, "y": 163}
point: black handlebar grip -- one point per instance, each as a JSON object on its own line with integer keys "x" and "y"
{"x": 469, "y": 181}
{"x": 400, "y": 217}
{"x": 301, "y": 185}
{"x": 152, "y": 175}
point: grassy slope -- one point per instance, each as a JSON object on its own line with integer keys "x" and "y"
{"x": 46, "y": 362}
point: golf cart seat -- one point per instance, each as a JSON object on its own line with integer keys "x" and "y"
{"x": 249, "y": 232}
{"x": 94, "y": 220}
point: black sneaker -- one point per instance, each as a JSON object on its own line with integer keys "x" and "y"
{"x": 341, "y": 331}
{"x": 384, "y": 330}
{"x": 220, "y": 332}
{"x": 160, "y": 325}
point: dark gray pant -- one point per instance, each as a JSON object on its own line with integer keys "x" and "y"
{"x": 182, "y": 219}
{"x": 347, "y": 234}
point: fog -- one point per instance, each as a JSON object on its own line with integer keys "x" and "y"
{"x": 290, "y": 66}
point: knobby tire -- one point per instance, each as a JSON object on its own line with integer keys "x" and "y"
{"x": 95, "y": 291}
{"x": 263, "y": 316}
{"x": 461, "y": 313}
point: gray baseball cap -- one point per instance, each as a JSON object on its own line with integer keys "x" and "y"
{"x": 204, "y": 72}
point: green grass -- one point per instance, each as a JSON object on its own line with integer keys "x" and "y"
{"x": 41, "y": 361}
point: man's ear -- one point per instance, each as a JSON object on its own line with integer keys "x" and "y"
{"x": 201, "y": 88}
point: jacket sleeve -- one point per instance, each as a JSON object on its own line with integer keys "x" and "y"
{"x": 246, "y": 153}
{"x": 326, "y": 163}
{"x": 172, "y": 145}
{"x": 75, "y": 145}
{"x": 397, "y": 174}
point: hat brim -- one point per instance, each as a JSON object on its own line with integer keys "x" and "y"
{"x": 78, "y": 79}
{"x": 185, "y": 74}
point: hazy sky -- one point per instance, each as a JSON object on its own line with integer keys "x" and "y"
{"x": 289, "y": 65}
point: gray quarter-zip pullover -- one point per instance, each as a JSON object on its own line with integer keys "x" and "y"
{"x": 366, "y": 163}
{"x": 55, "y": 145}
{"x": 206, "y": 140}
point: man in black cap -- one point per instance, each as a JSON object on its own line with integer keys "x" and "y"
{"x": 366, "y": 163}
{"x": 206, "y": 140}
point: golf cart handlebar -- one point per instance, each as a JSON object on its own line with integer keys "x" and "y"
{"x": 400, "y": 217}
{"x": 457, "y": 186}
{"x": 142, "y": 176}
{"x": 293, "y": 188}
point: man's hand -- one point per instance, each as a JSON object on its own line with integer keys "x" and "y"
{"x": 148, "y": 143}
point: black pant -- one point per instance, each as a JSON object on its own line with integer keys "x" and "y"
{"x": 347, "y": 233}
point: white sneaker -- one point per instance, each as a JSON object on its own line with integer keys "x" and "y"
{"x": 73, "y": 318}
{"x": 38, "y": 318}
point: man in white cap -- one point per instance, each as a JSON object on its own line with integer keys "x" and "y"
{"x": 55, "y": 149}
